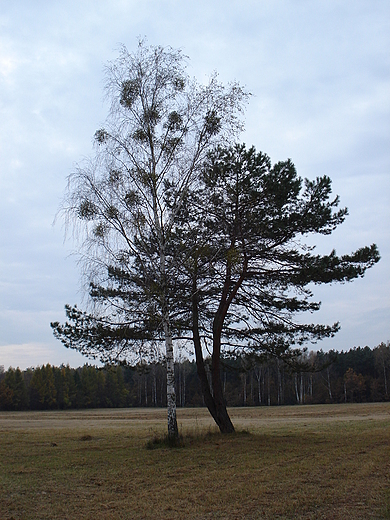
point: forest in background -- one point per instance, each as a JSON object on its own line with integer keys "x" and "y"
{"x": 357, "y": 375}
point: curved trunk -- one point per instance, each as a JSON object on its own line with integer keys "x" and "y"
{"x": 219, "y": 398}
{"x": 215, "y": 401}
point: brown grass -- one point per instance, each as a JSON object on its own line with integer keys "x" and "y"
{"x": 310, "y": 462}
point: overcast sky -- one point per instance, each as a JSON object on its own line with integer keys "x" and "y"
{"x": 320, "y": 78}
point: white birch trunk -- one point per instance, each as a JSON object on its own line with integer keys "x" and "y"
{"x": 302, "y": 390}
{"x": 258, "y": 378}
{"x": 184, "y": 388}
{"x": 329, "y": 387}
{"x": 171, "y": 394}
{"x": 269, "y": 395}
{"x": 296, "y": 387}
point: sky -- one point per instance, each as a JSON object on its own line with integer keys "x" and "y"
{"x": 319, "y": 74}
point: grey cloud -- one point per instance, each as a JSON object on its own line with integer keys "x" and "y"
{"x": 319, "y": 72}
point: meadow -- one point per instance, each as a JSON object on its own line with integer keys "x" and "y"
{"x": 303, "y": 462}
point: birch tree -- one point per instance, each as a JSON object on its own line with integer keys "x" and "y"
{"x": 123, "y": 205}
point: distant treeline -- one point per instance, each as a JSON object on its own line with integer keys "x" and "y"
{"x": 359, "y": 375}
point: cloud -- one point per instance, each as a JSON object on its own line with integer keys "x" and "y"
{"x": 35, "y": 354}
{"x": 319, "y": 72}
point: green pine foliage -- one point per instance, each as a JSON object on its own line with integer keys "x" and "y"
{"x": 186, "y": 235}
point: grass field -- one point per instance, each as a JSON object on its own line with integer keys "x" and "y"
{"x": 309, "y": 462}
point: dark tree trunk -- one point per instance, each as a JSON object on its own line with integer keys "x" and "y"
{"x": 222, "y": 417}
{"x": 215, "y": 401}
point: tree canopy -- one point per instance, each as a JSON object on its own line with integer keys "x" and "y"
{"x": 247, "y": 275}
{"x": 160, "y": 127}
{"x": 188, "y": 236}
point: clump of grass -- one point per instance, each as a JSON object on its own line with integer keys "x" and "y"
{"x": 164, "y": 441}
{"x": 245, "y": 431}
{"x": 86, "y": 438}
{"x": 191, "y": 438}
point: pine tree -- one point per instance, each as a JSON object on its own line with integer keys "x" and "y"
{"x": 248, "y": 272}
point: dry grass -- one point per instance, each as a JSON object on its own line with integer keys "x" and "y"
{"x": 311, "y": 462}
